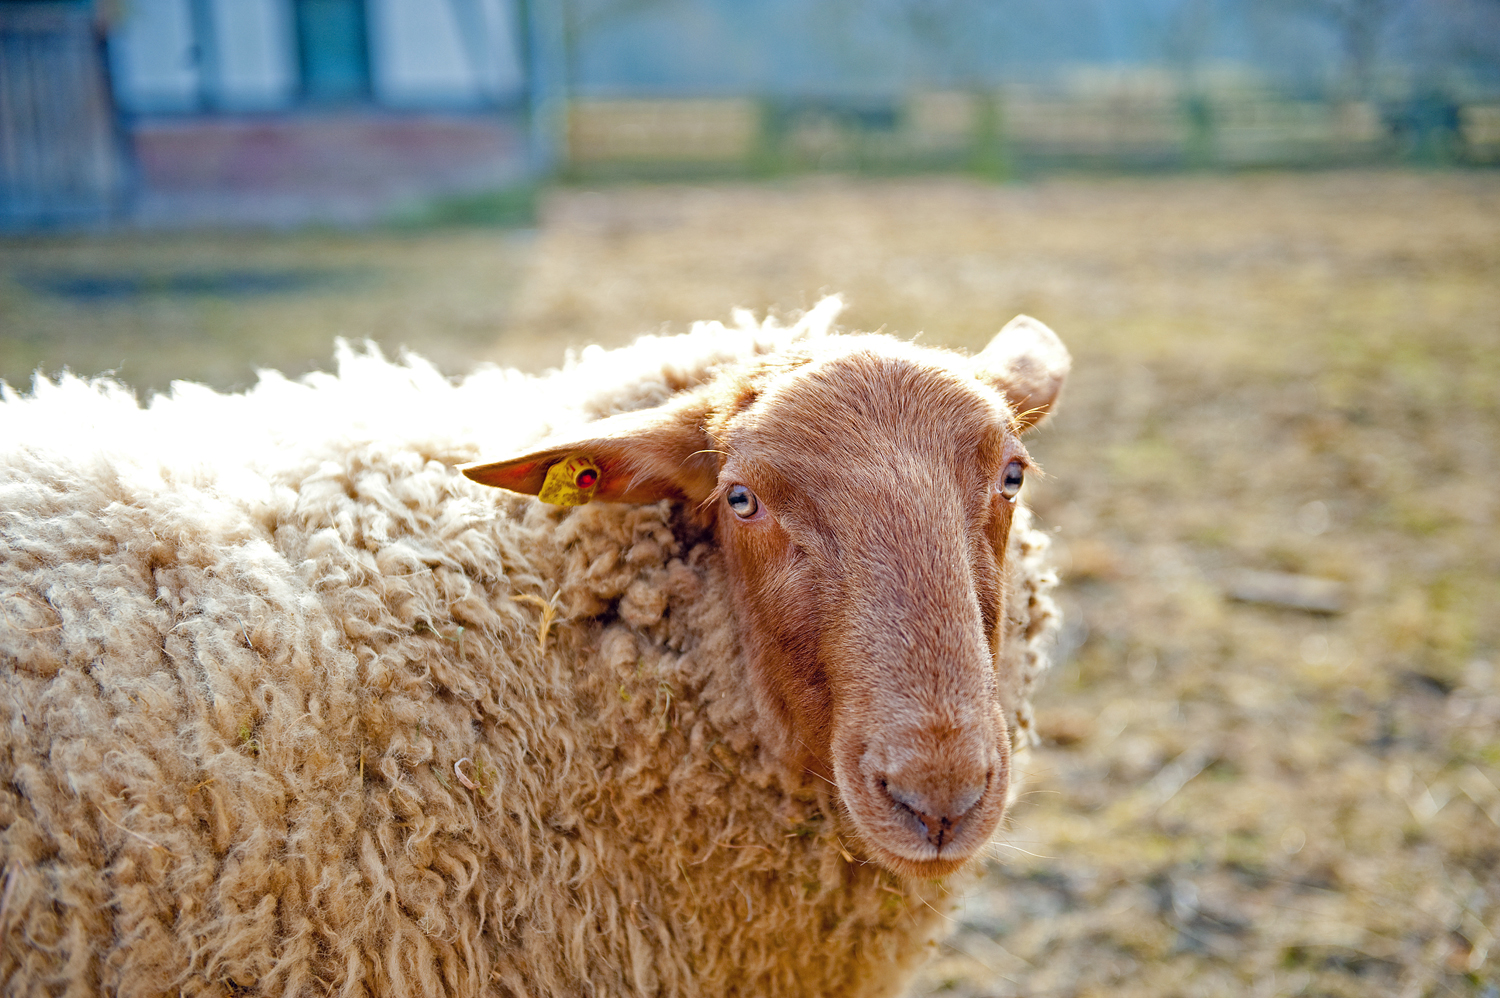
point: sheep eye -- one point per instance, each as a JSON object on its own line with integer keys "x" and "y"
{"x": 742, "y": 501}
{"x": 1011, "y": 479}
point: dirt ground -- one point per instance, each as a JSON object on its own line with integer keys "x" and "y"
{"x": 1297, "y": 373}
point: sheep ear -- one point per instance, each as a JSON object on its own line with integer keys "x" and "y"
{"x": 636, "y": 457}
{"x": 1026, "y": 363}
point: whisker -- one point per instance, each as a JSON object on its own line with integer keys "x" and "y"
{"x": 1016, "y": 848}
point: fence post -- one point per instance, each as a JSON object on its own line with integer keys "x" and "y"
{"x": 991, "y": 154}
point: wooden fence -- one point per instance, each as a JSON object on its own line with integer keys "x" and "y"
{"x": 1135, "y": 123}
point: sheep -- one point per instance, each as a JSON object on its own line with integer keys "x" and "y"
{"x": 291, "y": 706}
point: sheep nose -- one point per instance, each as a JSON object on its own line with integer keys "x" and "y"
{"x": 938, "y": 811}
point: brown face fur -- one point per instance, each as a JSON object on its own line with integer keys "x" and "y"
{"x": 868, "y": 576}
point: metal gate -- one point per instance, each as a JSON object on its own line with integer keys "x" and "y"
{"x": 60, "y": 148}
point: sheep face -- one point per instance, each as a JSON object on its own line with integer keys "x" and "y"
{"x": 862, "y": 493}
{"x": 863, "y": 518}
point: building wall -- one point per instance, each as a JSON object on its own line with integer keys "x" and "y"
{"x": 152, "y": 59}
{"x": 280, "y": 112}
{"x": 431, "y": 53}
{"x": 171, "y": 56}
{"x": 254, "y": 63}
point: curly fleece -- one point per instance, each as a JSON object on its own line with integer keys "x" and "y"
{"x": 291, "y": 708}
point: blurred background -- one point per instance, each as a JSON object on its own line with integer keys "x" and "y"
{"x": 1269, "y": 230}
{"x": 282, "y": 112}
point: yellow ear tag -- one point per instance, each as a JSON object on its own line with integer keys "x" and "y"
{"x": 570, "y": 482}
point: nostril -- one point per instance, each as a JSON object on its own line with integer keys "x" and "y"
{"x": 939, "y": 829}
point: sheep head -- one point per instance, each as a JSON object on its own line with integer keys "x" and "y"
{"x": 862, "y": 492}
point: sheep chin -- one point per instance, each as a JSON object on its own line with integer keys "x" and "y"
{"x": 909, "y": 856}
{"x": 931, "y": 869}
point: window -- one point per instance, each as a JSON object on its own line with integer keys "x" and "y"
{"x": 333, "y": 51}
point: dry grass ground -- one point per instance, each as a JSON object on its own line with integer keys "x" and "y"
{"x": 215, "y": 308}
{"x": 1298, "y": 373}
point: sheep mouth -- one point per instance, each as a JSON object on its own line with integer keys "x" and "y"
{"x": 922, "y": 844}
